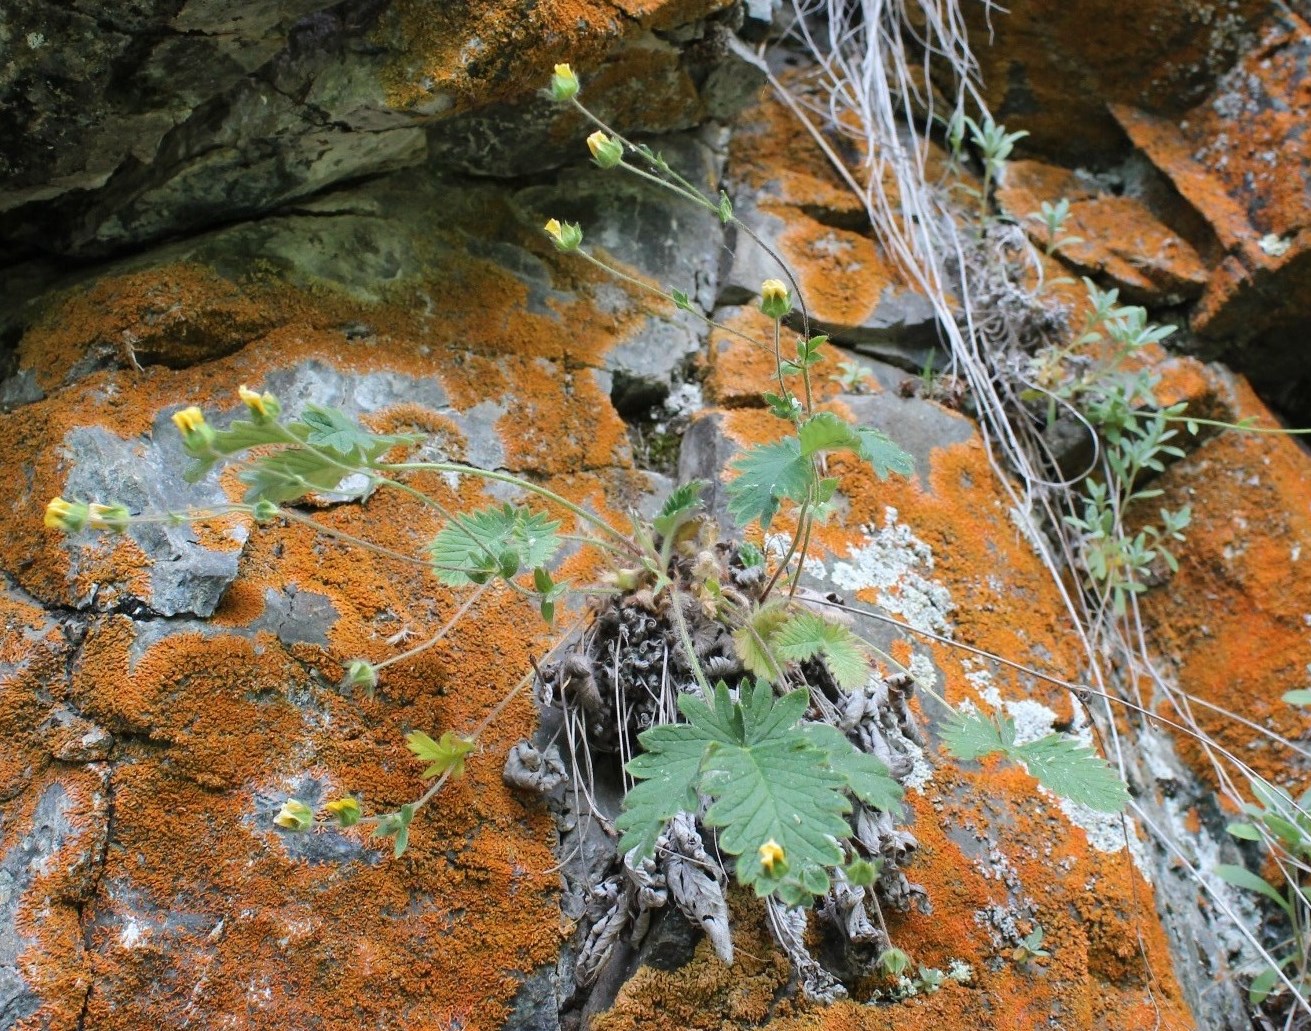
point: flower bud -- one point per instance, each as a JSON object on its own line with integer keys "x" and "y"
{"x": 265, "y": 511}
{"x": 295, "y": 816}
{"x": 264, "y": 408}
{"x": 346, "y": 811}
{"x": 772, "y": 858}
{"x": 564, "y": 84}
{"x": 567, "y": 236}
{"x": 68, "y": 516}
{"x": 197, "y": 434}
{"x": 108, "y": 517}
{"x": 606, "y": 150}
{"x": 774, "y": 299}
{"x": 894, "y": 961}
{"x": 361, "y": 673}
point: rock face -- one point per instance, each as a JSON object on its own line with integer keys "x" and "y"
{"x": 343, "y": 204}
{"x": 167, "y": 115}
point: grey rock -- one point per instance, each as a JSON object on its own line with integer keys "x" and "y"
{"x": 35, "y": 850}
{"x": 185, "y": 575}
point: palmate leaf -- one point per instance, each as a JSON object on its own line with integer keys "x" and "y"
{"x": 767, "y": 474}
{"x": 769, "y": 782}
{"x": 808, "y": 634}
{"x": 667, "y": 773}
{"x": 1062, "y": 764}
{"x": 497, "y": 539}
{"x": 882, "y": 452}
{"x": 751, "y": 640}
{"x": 444, "y": 756}
{"x": 289, "y": 474}
{"x": 333, "y": 430}
{"x": 681, "y": 505}
{"x": 1068, "y": 768}
{"x": 867, "y": 775}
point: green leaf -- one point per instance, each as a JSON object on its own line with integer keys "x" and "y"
{"x": 289, "y": 474}
{"x": 397, "y": 827}
{"x": 808, "y": 634}
{"x": 446, "y": 755}
{"x": 1299, "y": 697}
{"x": 481, "y": 543}
{"x": 1241, "y": 877}
{"x": 1244, "y": 830}
{"x": 680, "y": 300}
{"x": 331, "y": 429}
{"x": 972, "y": 736}
{"x": 751, "y": 640}
{"x": 725, "y": 208}
{"x": 1070, "y": 769}
{"x": 774, "y": 788}
{"x": 783, "y": 407}
{"x": 867, "y": 776}
{"x": 667, "y": 773}
{"x": 1262, "y": 985}
{"x": 766, "y": 475}
{"x": 682, "y": 504}
{"x": 881, "y": 452}
{"x": 825, "y": 431}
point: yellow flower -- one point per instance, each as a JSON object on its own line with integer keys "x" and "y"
{"x": 107, "y": 517}
{"x": 189, "y": 420}
{"x": 295, "y": 815}
{"x": 65, "y": 515}
{"x": 607, "y": 150}
{"x": 567, "y": 235}
{"x": 774, "y": 299}
{"x": 264, "y": 407}
{"x": 771, "y": 855}
{"x": 564, "y": 84}
{"x": 345, "y": 810}
{"x": 197, "y": 434}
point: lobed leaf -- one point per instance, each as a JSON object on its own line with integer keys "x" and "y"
{"x": 490, "y": 541}
{"x": 766, "y": 475}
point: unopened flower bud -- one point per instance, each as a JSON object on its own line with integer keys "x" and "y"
{"x": 564, "y": 84}
{"x": 567, "y": 235}
{"x": 361, "y": 673}
{"x": 894, "y": 961}
{"x": 346, "y": 811}
{"x": 774, "y": 299}
{"x": 606, "y": 150}
{"x": 197, "y": 434}
{"x": 108, "y": 517}
{"x": 265, "y": 511}
{"x": 264, "y": 408}
{"x": 295, "y": 815}
{"x": 772, "y": 858}
{"x": 69, "y": 516}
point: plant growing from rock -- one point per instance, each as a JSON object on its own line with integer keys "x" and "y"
{"x": 743, "y": 716}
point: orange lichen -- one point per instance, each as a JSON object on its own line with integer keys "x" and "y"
{"x": 225, "y": 926}
{"x": 1006, "y": 603}
{"x": 1246, "y": 644}
{"x": 450, "y": 58}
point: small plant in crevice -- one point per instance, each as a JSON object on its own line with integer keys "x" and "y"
{"x": 755, "y": 735}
